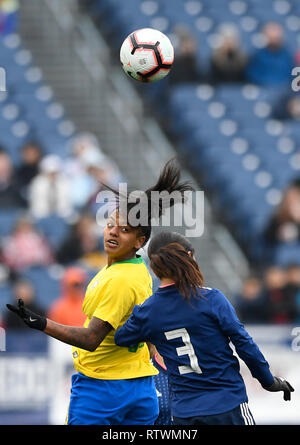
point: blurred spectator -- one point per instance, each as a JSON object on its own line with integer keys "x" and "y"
{"x": 288, "y": 107}
{"x": 87, "y": 168}
{"x": 1, "y": 321}
{"x": 228, "y": 61}
{"x": 67, "y": 309}
{"x": 22, "y": 289}
{"x": 9, "y": 16}
{"x": 50, "y": 190}
{"x": 10, "y": 196}
{"x": 293, "y": 276}
{"x": 83, "y": 183}
{"x": 83, "y": 244}
{"x": 79, "y": 145}
{"x": 284, "y": 225}
{"x": 271, "y": 65}
{"x": 280, "y": 304}
{"x": 31, "y": 155}
{"x": 250, "y": 305}
{"x": 104, "y": 172}
{"x": 292, "y": 287}
{"x": 25, "y": 247}
{"x": 185, "y": 67}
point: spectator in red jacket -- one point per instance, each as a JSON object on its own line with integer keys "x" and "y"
{"x": 67, "y": 309}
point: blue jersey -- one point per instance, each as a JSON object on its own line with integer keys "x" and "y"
{"x": 194, "y": 340}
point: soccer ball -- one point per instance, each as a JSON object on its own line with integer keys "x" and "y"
{"x": 147, "y": 55}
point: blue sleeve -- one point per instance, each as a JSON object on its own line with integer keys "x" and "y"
{"x": 253, "y": 70}
{"x": 244, "y": 345}
{"x": 134, "y": 330}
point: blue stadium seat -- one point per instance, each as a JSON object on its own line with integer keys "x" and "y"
{"x": 8, "y": 219}
{"x": 6, "y": 296}
{"x": 46, "y": 286}
{"x": 53, "y": 228}
{"x": 286, "y": 254}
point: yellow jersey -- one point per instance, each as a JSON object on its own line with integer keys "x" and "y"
{"x": 111, "y": 296}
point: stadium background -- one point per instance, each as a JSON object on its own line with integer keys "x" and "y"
{"x": 69, "y": 117}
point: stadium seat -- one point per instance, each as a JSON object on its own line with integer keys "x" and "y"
{"x": 6, "y": 296}
{"x": 47, "y": 286}
{"x": 286, "y": 254}
{"x": 53, "y": 228}
{"x": 8, "y": 219}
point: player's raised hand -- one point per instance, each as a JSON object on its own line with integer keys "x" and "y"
{"x": 280, "y": 384}
{"x": 32, "y": 320}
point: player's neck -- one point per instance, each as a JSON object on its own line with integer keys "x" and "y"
{"x": 166, "y": 281}
{"x": 125, "y": 257}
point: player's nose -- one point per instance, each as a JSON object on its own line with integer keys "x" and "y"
{"x": 114, "y": 231}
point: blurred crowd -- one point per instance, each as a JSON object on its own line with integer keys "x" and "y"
{"x": 269, "y": 65}
{"x": 44, "y": 188}
{"x": 272, "y": 297}
{"x": 45, "y": 184}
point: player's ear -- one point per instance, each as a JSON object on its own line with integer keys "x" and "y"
{"x": 140, "y": 240}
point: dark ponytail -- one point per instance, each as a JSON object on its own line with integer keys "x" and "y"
{"x": 169, "y": 182}
{"x": 171, "y": 256}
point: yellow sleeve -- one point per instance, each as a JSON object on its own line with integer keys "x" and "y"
{"x": 117, "y": 299}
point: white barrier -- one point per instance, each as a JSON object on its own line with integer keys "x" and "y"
{"x": 280, "y": 346}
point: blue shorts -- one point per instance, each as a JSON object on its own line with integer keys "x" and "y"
{"x": 241, "y": 415}
{"x": 162, "y": 389}
{"x": 112, "y": 402}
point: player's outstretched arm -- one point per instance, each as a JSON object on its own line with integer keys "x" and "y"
{"x": 247, "y": 349}
{"x": 88, "y": 338}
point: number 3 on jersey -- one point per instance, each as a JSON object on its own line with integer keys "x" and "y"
{"x": 187, "y": 349}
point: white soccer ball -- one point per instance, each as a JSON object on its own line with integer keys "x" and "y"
{"x": 147, "y": 55}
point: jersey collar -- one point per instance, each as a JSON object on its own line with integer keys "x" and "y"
{"x": 136, "y": 260}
